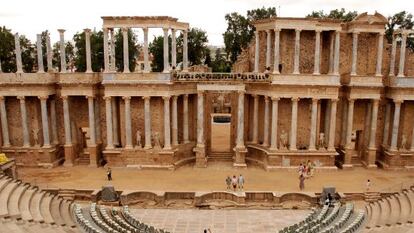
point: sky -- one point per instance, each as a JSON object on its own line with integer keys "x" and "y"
{"x": 30, "y": 17}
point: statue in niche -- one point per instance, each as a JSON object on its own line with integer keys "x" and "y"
{"x": 138, "y": 136}
{"x": 36, "y": 136}
{"x": 353, "y": 140}
{"x": 156, "y": 139}
{"x": 321, "y": 141}
{"x": 403, "y": 142}
{"x": 283, "y": 140}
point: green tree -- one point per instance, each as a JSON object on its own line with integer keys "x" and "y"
{"x": 220, "y": 64}
{"x": 401, "y": 20}
{"x": 7, "y": 55}
{"x": 69, "y": 54}
{"x": 28, "y": 54}
{"x": 97, "y": 57}
{"x": 119, "y": 50}
{"x": 43, "y": 37}
{"x": 334, "y": 14}
{"x": 156, "y": 49}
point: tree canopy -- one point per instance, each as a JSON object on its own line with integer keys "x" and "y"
{"x": 97, "y": 56}
{"x": 334, "y": 14}
{"x": 401, "y": 20}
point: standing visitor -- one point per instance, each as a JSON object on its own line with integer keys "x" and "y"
{"x": 301, "y": 182}
{"x": 301, "y": 169}
{"x": 234, "y": 183}
{"x": 241, "y": 182}
{"x": 228, "y": 183}
{"x": 310, "y": 168}
{"x": 109, "y": 173}
{"x": 368, "y": 185}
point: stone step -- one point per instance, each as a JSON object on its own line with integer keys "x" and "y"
{"x": 395, "y": 210}
{"x": 410, "y": 195}
{"x": 66, "y": 213}
{"x": 385, "y": 211}
{"x": 15, "y": 200}
{"x": 5, "y": 195}
{"x": 24, "y": 204}
{"x": 3, "y": 182}
{"x": 55, "y": 211}
{"x": 45, "y": 207}
{"x": 405, "y": 203}
{"x": 35, "y": 206}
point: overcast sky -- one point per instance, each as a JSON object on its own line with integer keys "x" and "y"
{"x": 30, "y": 17}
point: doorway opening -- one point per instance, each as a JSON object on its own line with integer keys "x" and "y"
{"x": 220, "y": 132}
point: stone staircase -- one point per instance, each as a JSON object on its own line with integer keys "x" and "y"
{"x": 220, "y": 157}
{"x": 372, "y": 196}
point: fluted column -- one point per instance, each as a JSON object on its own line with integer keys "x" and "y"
{"x": 109, "y": 129}
{"x": 26, "y": 140}
{"x": 386, "y": 124}
{"x": 106, "y": 50}
{"x": 354, "y": 53}
{"x": 185, "y": 50}
{"x": 173, "y": 48}
{"x": 45, "y": 121}
{"x": 256, "y": 53}
{"x": 396, "y": 124}
{"x": 146, "y": 60}
{"x": 147, "y": 120}
{"x": 350, "y": 122}
{"x": 268, "y": 48}
{"x": 115, "y": 121}
{"x": 393, "y": 54}
{"x": 125, "y": 50}
{"x": 312, "y": 138}
{"x": 374, "y": 118}
{"x": 53, "y": 120}
{"x": 240, "y": 121}
{"x": 255, "y": 119}
{"x": 91, "y": 115}
{"x": 112, "y": 44}
{"x": 128, "y": 126}
{"x": 379, "y": 54}
{"x": 266, "y": 123}
{"x": 331, "y": 53}
{"x": 174, "y": 121}
{"x": 165, "y": 51}
{"x": 296, "y": 59}
{"x": 4, "y": 122}
{"x": 88, "y": 50}
{"x": 62, "y": 51}
{"x": 275, "y": 111}
{"x": 200, "y": 119}
{"x": 294, "y": 124}
{"x": 49, "y": 54}
{"x": 332, "y": 125}
{"x": 402, "y": 55}
{"x": 167, "y": 125}
{"x": 40, "y": 66}
{"x": 277, "y": 52}
{"x": 185, "y": 119}
{"x": 337, "y": 51}
{"x": 66, "y": 119}
{"x": 316, "y": 69}
{"x": 18, "y": 52}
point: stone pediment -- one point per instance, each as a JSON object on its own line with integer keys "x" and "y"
{"x": 365, "y": 18}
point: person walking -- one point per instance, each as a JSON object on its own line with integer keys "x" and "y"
{"x": 301, "y": 182}
{"x": 234, "y": 183}
{"x": 228, "y": 183}
{"x": 241, "y": 182}
{"x": 301, "y": 169}
{"x": 109, "y": 173}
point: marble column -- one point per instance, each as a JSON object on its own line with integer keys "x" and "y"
{"x": 379, "y": 54}
{"x": 53, "y": 120}
{"x": 277, "y": 52}
{"x": 316, "y": 68}
{"x": 106, "y": 50}
{"x": 240, "y": 121}
{"x": 109, "y": 129}
{"x": 354, "y": 53}
{"x": 268, "y": 48}
{"x": 66, "y": 119}
{"x": 296, "y": 59}
{"x": 146, "y": 60}
{"x": 98, "y": 121}
{"x": 62, "y": 51}
{"x": 395, "y": 125}
{"x": 255, "y": 119}
{"x": 412, "y": 140}
{"x": 25, "y": 128}
{"x": 200, "y": 119}
{"x": 174, "y": 121}
{"x": 18, "y": 52}
{"x": 266, "y": 123}
{"x": 331, "y": 53}
{"x": 337, "y": 53}
{"x": 174, "y": 49}
{"x": 349, "y": 125}
{"x": 393, "y": 54}
{"x": 49, "y": 54}
{"x": 40, "y": 67}
{"x": 125, "y": 50}
{"x": 45, "y": 121}
{"x": 402, "y": 55}
{"x": 4, "y": 122}
{"x": 332, "y": 125}
{"x": 91, "y": 115}
{"x": 294, "y": 124}
{"x": 185, "y": 120}
{"x": 374, "y": 118}
{"x": 312, "y": 138}
{"x": 256, "y": 52}
{"x": 165, "y": 51}
{"x": 386, "y": 124}
{"x": 167, "y": 125}
{"x": 275, "y": 112}
{"x": 115, "y": 121}
{"x": 88, "y": 50}
{"x": 0, "y": 67}
{"x": 185, "y": 50}
{"x": 113, "y": 61}
{"x": 147, "y": 120}
{"x": 128, "y": 126}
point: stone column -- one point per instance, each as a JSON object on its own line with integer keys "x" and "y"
{"x": 256, "y": 53}
{"x": 167, "y": 126}
{"x": 277, "y": 52}
{"x": 40, "y": 66}
{"x": 332, "y": 125}
{"x": 402, "y": 55}
{"x": 165, "y": 50}
{"x": 412, "y": 141}
{"x": 354, "y": 53}
{"x": 337, "y": 51}
{"x": 113, "y": 62}
{"x": 240, "y": 121}
{"x": 109, "y": 129}
{"x": 91, "y": 114}
{"x": 185, "y": 51}
{"x": 66, "y": 119}
{"x": 294, "y": 124}
{"x": 45, "y": 121}
{"x": 49, "y": 54}
{"x": 125, "y": 50}
{"x": 379, "y": 54}
{"x": 0, "y": 67}
{"x": 268, "y": 48}
{"x": 275, "y": 111}
{"x": 331, "y": 53}
{"x": 185, "y": 120}
{"x": 374, "y": 117}
{"x": 297, "y": 52}
{"x": 255, "y": 119}
{"x": 98, "y": 121}
{"x": 106, "y": 50}
{"x": 62, "y": 51}
{"x": 55, "y": 139}
{"x": 266, "y": 123}
{"x": 174, "y": 121}
{"x": 174, "y": 49}
{"x": 88, "y": 50}
{"x": 115, "y": 121}
{"x": 349, "y": 125}
{"x": 316, "y": 69}
{"x": 4, "y": 122}
{"x": 200, "y": 119}
{"x": 26, "y": 140}
{"x": 386, "y": 124}
{"x": 312, "y": 139}
{"x": 147, "y": 119}
{"x": 393, "y": 54}
{"x": 128, "y": 126}
{"x": 146, "y": 60}
{"x": 395, "y": 124}
{"x": 18, "y": 52}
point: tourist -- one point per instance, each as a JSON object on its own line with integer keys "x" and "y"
{"x": 368, "y": 185}
{"x": 241, "y": 182}
{"x": 301, "y": 169}
{"x": 310, "y": 168}
{"x": 301, "y": 182}
{"x": 228, "y": 183}
{"x": 234, "y": 183}
{"x": 109, "y": 173}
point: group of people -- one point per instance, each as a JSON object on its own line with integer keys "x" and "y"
{"x": 305, "y": 171}
{"x": 235, "y": 182}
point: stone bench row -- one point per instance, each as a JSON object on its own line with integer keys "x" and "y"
{"x": 83, "y": 222}
{"x": 356, "y": 224}
{"x": 136, "y": 223}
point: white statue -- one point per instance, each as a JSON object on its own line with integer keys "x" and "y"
{"x": 138, "y": 135}
{"x": 321, "y": 141}
{"x": 283, "y": 140}
{"x": 156, "y": 138}
{"x": 403, "y": 142}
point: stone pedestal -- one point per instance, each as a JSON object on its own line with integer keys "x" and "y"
{"x": 240, "y": 159}
{"x": 370, "y": 158}
{"x": 200, "y": 153}
{"x": 348, "y": 158}
{"x": 94, "y": 156}
{"x": 69, "y": 156}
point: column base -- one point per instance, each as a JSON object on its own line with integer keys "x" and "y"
{"x": 240, "y": 160}
{"x": 371, "y": 157}
{"x": 69, "y": 156}
{"x": 94, "y": 156}
{"x": 200, "y": 153}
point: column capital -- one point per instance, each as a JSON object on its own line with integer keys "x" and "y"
{"x": 355, "y": 33}
{"x": 255, "y": 96}
{"x": 175, "y": 97}
{"x": 256, "y": 32}
{"x": 124, "y": 29}
{"x": 145, "y": 29}
{"x": 381, "y": 33}
{"x": 398, "y": 101}
{"x": 334, "y": 100}
{"x": 61, "y": 31}
{"x": 146, "y": 97}
{"x": 277, "y": 29}
{"x": 64, "y": 97}
{"x": 241, "y": 92}
{"x": 43, "y": 97}
{"x": 105, "y": 30}
{"x": 89, "y": 97}
{"x": 2, "y": 97}
{"x": 375, "y": 101}
{"x": 165, "y": 29}
{"x": 200, "y": 92}
{"x": 186, "y": 96}
{"x": 267, "y": 31}
{"x": 298, "y": 30}
{"x": 352, "y": 100}
{"x": 165, "y": 98}
{"x": 107, "y": 98}
{"x": 315, "y": 100}
{"x": 275, "y": 98}
{"x": 126, "y": 98}
{"x": 318, "y": 30}
{"x": 21, "y": 98}
{"x": 87, "y": 30}
{"x": 295, "y": 99}
{"x": 266, "y": 98}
